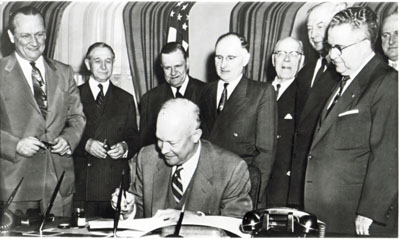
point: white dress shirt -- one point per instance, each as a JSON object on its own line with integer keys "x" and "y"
{"x": 188, "y": 168}
{"x": 316, "y": 69}
{"x": 230, "y": 88}
{"x": 182, "y": 90}
{"x": 94, "y": 86}
{"x": 27, "y": 69}
{"x": 284, "y": 85}
{"x": 393, "y": 64}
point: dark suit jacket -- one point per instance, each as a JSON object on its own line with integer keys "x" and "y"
{"x": 20, "y": 117}
{"x": 220, "y": 184}
{"x": 97, "y": 178}
{"x": 309, "y": 104}
{"x": 353, "y": 161}
{"x": 152, "y": 101}
{"x": 278, "y": 185}
{"x": 247, "y": 126}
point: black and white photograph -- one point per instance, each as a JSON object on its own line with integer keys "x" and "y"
{"x": 199, "y": 119}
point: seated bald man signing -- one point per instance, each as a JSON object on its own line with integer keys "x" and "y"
{"x": 184, "y": 171}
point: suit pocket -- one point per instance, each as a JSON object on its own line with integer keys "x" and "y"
{"x": 352, "y": 130}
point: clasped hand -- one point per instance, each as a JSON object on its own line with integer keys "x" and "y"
{"x": 96, "y": 148}
{"x": 29, "y": 146}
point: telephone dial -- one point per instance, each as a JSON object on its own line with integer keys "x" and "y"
{"x": 282, "y": 222}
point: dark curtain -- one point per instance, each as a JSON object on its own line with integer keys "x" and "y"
{"x": 52, "y": 13}
{"x": 146, "y": 28}
{"x": 263, "y": 24}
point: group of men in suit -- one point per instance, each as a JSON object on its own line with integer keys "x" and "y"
{"x": 344, "y": 134}
{"x": 340, "y": 165}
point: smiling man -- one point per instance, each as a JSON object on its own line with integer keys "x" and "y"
{"x": 41, "y": 119}
{"x": 110, "y": 137}
{"x": 184, "y": 171}
{"x": 352, "y": 171}
{"x": 178, "y": 83}
{"x": 287, "y": 59}
{"x": 239, "y": 114}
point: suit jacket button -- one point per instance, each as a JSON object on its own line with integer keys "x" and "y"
{"x": 309, "y": 156}
{"x": 278, "y": 136}
{"x": 89, "y": 164}
{"x": 235, "y": 135}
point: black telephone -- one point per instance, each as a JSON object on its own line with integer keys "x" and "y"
{"x": 282, "y": 222}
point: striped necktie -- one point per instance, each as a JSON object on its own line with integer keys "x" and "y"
{"x": 178, "y": 94}
{"x": 224, "y": 98}
{"x": 39, "y": 89}
{"x": 177, "y": 187}
{"x": 337, "y": 96}
{"x": 100, "y": 96}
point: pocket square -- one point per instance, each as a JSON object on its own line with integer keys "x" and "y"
{"x": 288, "y": 117}
{"x": 349, "y": 112}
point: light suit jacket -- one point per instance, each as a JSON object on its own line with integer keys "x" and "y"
{"x": 20, "y": 117}
{"x": 220, "y": 184}
{"x": 353, "y": 161}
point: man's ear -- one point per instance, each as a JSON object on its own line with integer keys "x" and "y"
{"x": 197, "y": 135}
{"x": 187, "y": 64}
{"x": 273, "y": 60}
{"x": 246, "y": 58}
{"x": 87, "y": 64}
{"x": 11, "y": 36}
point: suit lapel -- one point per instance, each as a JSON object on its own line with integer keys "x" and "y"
{"x": 51, "y": 87}
{"x": 189, "y": 89}
{"x": 349, "y": 98}
{"x": 235, "y": 103}
{"x": 18, "y": 82}
{"x": 201, "y": 180}
{"x": 160, "y": 186}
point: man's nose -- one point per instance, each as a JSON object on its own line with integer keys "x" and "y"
{"x": 393, "y": 39}
{"x": 103, "y": 65}
{"x": 164, "y": 148}
{"x": 173, "y": 71}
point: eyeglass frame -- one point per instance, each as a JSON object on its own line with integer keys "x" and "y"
{"x": 290, "y": 54}
{"x": 340, "y": 48}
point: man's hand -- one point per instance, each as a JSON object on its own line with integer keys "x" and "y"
{"x": 116, "y": 151}
{"x": 96, "y": 148}
{"x": 61, "y": 146}
{"x": 362, "y": 225}
{"x": 128, "y": 208}
{"x": 27, "y": 147}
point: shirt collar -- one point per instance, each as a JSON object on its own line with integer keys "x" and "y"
{"x": 93, "y": 84}
{"x": 182, "y": 90}
{"x": 26, "y": 65}
{"x": 284, "y": 85}
{"x": 393, "y": 64}
{"x": 231, "y": 87}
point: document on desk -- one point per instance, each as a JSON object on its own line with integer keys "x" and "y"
{"x": 143, "y": 226}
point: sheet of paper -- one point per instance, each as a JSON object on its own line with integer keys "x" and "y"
{"x": 143, "y": 226}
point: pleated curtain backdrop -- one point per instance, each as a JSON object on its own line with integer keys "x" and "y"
{"x": 146, "y": 27}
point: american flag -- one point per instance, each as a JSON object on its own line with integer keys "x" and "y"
{"x": 179, "y": 23}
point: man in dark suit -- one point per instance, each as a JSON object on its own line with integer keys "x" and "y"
{"x": 175, "y": 64}
{"x": 184, "y": 171}
{"x": 240, "y": 114}
{"x": 389, "y": 31}
{"x": 315, "y": 82}
{"x": 287, "y": 59}
{"x": 352, "y": 171}
{"x": 41, "y": 119}
{"x": 110, "y": 136}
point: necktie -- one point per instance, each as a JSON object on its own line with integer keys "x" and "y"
{"x": 337, "y": 96}
{"x": 39, "y": 89}
{"x": 320, "y": 70}
{"x": 100, "y": 97}
{"x": 177, "y": 187}
{"x": 224, "y": 98}
{"x": 278, "y": 86}
{"x": 178, "y": 94}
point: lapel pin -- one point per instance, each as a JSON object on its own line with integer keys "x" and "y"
{"x": 235, "y": 134}
{"x": 353, "y": 95}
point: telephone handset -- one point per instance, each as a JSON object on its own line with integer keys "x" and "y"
{"x": 282, "y": 222}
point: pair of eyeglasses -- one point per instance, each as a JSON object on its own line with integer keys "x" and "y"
{"x": 339, "y": 49}
{"x": 290, "y": 54}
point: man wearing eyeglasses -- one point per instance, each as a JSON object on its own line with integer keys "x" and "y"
{"x": 352, "y": 171}
{"x": 315, "y": 82}
{"x": 41, "y": 119}
{"x": 240, "y": 114}
{"x": 287, "y": 59}
{"x": 390, "y": 28}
